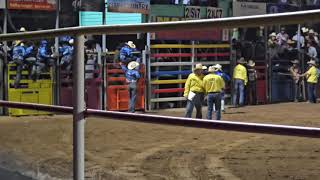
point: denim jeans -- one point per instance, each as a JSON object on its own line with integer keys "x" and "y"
{"x": 238, "y": 89}
{"x": 297, "y": 91}
{"x": 132, "y": 96}
{"x": 312, "y": 92}
{"x": 214, "y": 99}
{"x": 196, "y": 102}
{"x": 252, "y": 92}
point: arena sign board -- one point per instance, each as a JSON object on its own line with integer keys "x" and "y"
{"x": 129, "y": 6}
{"x": 248, "y": 8}
{"x": 46, "y": 5}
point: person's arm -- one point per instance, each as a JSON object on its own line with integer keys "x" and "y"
{"x": 187, "y": 87}
{"x": 256, "y": 74}
{"x": 124, "y": 68}
{"x": 43, "y": 53}
{"x": 204, "y": 85}
{"x": 137, "y": 74}
{"x": 245, "y": 76}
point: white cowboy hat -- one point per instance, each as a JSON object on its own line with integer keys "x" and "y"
{"x": 22, "y": 29}
{"x": 296, "y": 61}
{"x": 311, "y": 31}
{"x": 313, "y": 62}
{"x": 211, "y": 69}
{"x": 217, "y": 67}
{"x": 200, "y": 67}
{"x": 251, "y": 63}
{"x": 273, "y": 34}
{"x": 130, "y": 44}
{"x": 71, "y": 41}
{"x": 241, "y": 61}
{"x": 133, "y": 65}
{"x": 304, "y": 29}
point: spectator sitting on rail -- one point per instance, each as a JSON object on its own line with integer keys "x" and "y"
{"x": 273, "y": 46}
{"x": 213, "y": 85}
{"x": 44, "y": 58}
{"x": 312, "y": 51}
{"x": 240, "y": 79}
{"x": 252, "y": 81}
{"x": 194, "y": 92}
{"x": 301, "y": 39}
{"x": 126, "y": 53}
{"x": 312, "y": 80}
{"x": 66, "y": 51}
{"x": 132, "y": 75}
{"x": 226, "y": 78}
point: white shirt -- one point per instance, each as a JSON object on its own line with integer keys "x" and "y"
{"x": 301, "y": 40}
{"x": 282, "y": 38}
{"x": 312, "y": 52}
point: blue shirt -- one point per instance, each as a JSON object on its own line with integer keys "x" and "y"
{"x": 131, "y": 75}
{"x": 66, "y": 50}
{"x": 20, "y": 52}
{"x": 126, "y": 52}
{"x": 43, "y": 53}
{"x": 225, "y": 76}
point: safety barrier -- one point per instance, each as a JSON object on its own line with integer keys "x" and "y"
{"x": 117, "y": 89}
{"x": 170, "y": 65}
{"x": 79, "y": 110}
{"x": 39, "y": 91}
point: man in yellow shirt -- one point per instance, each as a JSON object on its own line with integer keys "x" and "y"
{"x": 213, "y": 85}
{"x": 193, "y": 91}
{"x": 312, "y": 80}
{"x": 240, "y": 80}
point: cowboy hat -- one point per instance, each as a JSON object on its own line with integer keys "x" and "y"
{"x": 130, "y": 44}
{"x": 217, "y": 67}
{"x": 241, "y": 61}
{"x": 273, "y": 34}
{"x": 290, "y": 41}
{"x": 200, "y": 67}
{"x": 296, "y": 61}
{"x": 251, "y": 63}
{"x": 17, "y": 42}
{"x": 311, "y": 31}
{"x": 211, "y": 69}
{"x": 132, "y": 65}
{"x": 22, "y": 29}
{"x": 312, "y": 62}
{"x": 304, "y": 29}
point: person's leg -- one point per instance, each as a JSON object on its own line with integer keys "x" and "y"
{"x": 198, "y": 104}
{"x": 189, "y": 109}
{"x": 217, "y": 102}
{"x": 222, "y": 101}
{"x": 241, "y": 90}
{"x": 314, "y": 93}
{"x": 254, "y": 93}
{"x": 133, "y": 96}
{"x": 19, "y": 66}
{"x": 210, "y": 106}
{"x": 310, "y": 93}
{"x": 235, "y": 92}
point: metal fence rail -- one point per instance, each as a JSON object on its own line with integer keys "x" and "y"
{"x": 78, "y": 81}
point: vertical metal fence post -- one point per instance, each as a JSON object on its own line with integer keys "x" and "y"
{"x": 78, "y": 109}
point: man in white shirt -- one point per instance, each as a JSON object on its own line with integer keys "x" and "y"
{"x": 312, "y": 52}
{"x": 301, "y": 40}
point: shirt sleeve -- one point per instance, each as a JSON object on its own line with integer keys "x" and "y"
{"x": 187, "y": 87}
{"x": 124, "y": 68}
{"x": 137, "y": 74}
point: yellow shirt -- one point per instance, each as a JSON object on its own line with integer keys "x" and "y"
{"x": 312, "y": 75}
{"x": 213, "y": 83}
{"x": 240, "y": 72}
{"x": 194, "y": 84}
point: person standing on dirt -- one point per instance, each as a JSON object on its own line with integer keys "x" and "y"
{"x": 312, "y": 79}
{"x": 213, "y": 85}
{"x": 252, "y": 83}
{"x": 226, "y": 78}
{"x": 194, "y": 92}
{"x": 295, "y": 71}
{"x": 132, "y": 76}
{"x": 240, "y": 80}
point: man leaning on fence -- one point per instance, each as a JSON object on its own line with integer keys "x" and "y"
{"x": 194, "y": 92}
{"x": 213, "y": 85}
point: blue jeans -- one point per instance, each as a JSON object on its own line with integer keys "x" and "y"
{"x": 132, "y": 96}
{"x": 196, "y": 102}
{"x": 214, "y": 99}
{"x": 238, "y": 89}
{"x": 312, "y": 92}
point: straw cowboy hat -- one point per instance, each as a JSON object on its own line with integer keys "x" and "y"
{"x": 304, "y": 29}
{"x": 273, "y": 34}
{"x": 200, "y": 67}
{"x": 211, "y": 69}
{"x": 217, "y": 67}
{"x": 290, "y": 41}
{"x": 22, "y": 29}
{"x": 312, "y": 62}
{"x": 130, "y": 44}
{"x": 241, "y": 61}
{"x": 311, "y": 31}
{"x": 251, "y": 63}
{"x": 132, "y": 65}
{"x": 296, "y": 61}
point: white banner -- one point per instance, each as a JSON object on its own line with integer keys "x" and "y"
{"x": 248, "y": 8}
{"x": 2, "y": 4}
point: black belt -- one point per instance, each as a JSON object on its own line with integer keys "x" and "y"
{"x": 214, "y": 92}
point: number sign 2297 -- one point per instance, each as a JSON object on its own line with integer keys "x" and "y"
{"x": 213, "y": 13}
{"x": 192, "y": 12}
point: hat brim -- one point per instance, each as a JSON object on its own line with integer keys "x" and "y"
{"x": 131, "y": 45}
{"x": 251, "y": 65}
{"x": 295, "y": 62}
{"x": 311, "y": 63}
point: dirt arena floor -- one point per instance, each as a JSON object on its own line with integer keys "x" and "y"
{"x": 120, "y": 150}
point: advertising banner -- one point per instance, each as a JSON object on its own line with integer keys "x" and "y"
{"x": 248, "y": 8}
{"x": 280, "y": 8}
{"x": 46, "y": 5}
{"x": 129, "y": 6}
{"x": 2, "y": 4}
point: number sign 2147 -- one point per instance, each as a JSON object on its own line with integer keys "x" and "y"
{"x": 213, "y": 13}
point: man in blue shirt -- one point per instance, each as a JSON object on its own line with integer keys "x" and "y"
{"x": 43, "y": 58}
{"x": 226, "y": 78}
{"x": 126, "y": 53}
{"x": 66, "y": 53}
{"x": 132, "y": 75}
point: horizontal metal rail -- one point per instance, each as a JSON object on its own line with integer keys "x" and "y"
{"x": 231, "y": 22}
{"x": 313, "y": 132}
